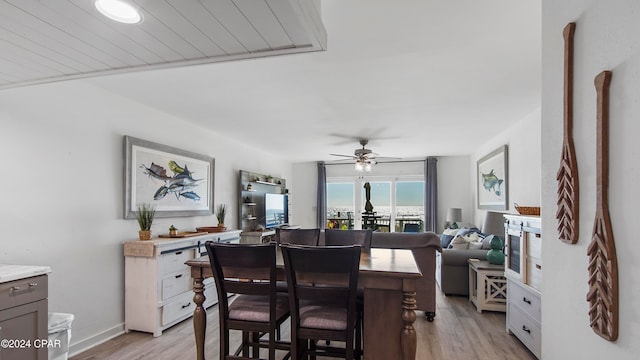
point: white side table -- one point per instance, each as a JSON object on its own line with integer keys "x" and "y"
{"x": 487, "y": 286}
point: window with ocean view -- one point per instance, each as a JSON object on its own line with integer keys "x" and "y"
{"x": 340, "y": 205}
{"x": 396, "y": 202}
{"x": 409, "y": 207}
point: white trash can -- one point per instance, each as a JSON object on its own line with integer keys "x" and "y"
{"x": 59, "y": 335}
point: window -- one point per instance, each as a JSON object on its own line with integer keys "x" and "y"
{"x": 396, "y": 201}
{"x": 340, "y": 205}
{"x": 409, "y": 207}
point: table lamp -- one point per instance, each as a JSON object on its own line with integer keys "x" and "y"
{"x": 453, "y": 216}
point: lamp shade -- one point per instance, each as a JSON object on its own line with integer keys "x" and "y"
{"x": 493, "y": 224}
{"x": 454, "y": 215}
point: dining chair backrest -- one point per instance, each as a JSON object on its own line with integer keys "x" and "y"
{"x": 334, "y": 237}
{"x": 323, "y": 287}
{"x": 409, "y": 227}
{"x": 248, "y": 270}
{"x": 298, "y": 236}
{"x": 233, "y": 264}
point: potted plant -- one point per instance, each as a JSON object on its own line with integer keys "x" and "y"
{"x": 145, "y": 215}
{"x": 221, "y": 213}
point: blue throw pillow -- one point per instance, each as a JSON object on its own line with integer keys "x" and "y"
{"x": 465, "y": 230}
{"x": 445, "y": 240}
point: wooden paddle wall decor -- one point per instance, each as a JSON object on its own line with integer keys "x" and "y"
{"x": 603, "y": 265}
{"x": 567, "y": 176}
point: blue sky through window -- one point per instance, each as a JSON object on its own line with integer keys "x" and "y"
{"x": 408, "y": 193}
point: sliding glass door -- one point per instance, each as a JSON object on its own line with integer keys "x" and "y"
{"x": 397, "y": 202}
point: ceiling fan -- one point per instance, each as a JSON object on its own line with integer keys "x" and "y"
{"x": 364, "y": 158}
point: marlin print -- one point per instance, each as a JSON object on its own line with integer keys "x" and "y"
{"x": 491, "y": 182}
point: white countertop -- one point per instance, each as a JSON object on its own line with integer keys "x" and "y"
{"x": 15, "y": 272}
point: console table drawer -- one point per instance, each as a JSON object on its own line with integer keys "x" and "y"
{"x": 524, "y": 299}
{"x": 525, "y": 328}
{"x": 23, "y": 291}
{"x": 183, "y": 307}
{"x": 175, "y": 284}
{"x": 174, "y": 261}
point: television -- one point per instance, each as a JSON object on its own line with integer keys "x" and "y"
{"x": 276, "y": 210}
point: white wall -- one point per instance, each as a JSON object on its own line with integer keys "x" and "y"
{"x": 606, "y": 37}
{"x": 524, "y": 149}
{"x": 453, "y": 188}
{"x": 62, "y": 191}
{"x": 303, "y": 195}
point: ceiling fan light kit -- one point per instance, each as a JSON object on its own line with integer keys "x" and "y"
{"x": 364, "y": 158}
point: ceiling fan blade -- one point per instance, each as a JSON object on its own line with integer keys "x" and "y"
{"x": 386, "y": 158}
{"x": 349, "y": 156}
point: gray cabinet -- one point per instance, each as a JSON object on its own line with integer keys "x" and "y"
{"x": 23, "y": 318}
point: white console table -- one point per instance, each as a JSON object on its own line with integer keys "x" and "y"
{"x": 158, "y": 284}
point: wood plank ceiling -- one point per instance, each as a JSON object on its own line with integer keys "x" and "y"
{"x": 51, "y": 40}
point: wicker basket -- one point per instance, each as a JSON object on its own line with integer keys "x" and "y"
{"x": 527, "y": 210}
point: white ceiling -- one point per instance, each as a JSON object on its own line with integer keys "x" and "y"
{"x": 422, "y": 77}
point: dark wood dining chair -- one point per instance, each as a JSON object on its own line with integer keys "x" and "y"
{"x": 410, "y": 227}
{"x": 309, "y": 237}
{"x": 250, "y": 272}
{"x": 322, "y": 298}
{"x": 333, "y": 237}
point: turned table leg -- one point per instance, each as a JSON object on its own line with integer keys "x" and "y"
{"x": 408, "y": 337}
{"x": 199, "y": 316}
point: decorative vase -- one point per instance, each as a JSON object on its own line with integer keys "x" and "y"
{"x": 144, "y": 234}
{"x": 495, "y": 255}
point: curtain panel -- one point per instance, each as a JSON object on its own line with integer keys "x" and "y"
{"x": 321, "y": 216}
{"x": 431, "y": 194}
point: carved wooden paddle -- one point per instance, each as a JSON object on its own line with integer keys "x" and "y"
{"x": 567, "y": 176}
{"x": 603, "y": 264}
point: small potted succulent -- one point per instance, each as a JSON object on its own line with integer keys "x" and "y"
{"x": 173, "y": 231}
{"x": 145, "y": 215}
{"x": 221, "y": 213}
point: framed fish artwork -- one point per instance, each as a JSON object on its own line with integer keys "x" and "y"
{"x": 177, "y": 182}
{"x": 492, "y": 179}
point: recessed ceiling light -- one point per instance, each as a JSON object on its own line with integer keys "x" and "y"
{"x": 119, "y": 11}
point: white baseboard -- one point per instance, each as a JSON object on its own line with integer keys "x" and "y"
{"x": 95, "y": 340}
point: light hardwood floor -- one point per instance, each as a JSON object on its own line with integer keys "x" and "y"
{"x": 458, "y": 332}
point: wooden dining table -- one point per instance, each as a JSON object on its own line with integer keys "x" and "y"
{"x": 388, "y": 277}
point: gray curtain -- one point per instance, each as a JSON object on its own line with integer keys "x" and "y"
{"x": 321, "y": 217}
{"x": 431, "y": 194}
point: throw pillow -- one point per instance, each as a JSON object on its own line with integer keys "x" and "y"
{"x": 486, "y": 243}
{"x": 459, "y": 243}
{"x": 445, "y": 240}
{"x": 464, "y": 231}
{"x": 451, "y": 232}
{"x": 475, "y": 245}
{"x": 474, "y": 236}
{"x": 447, "y": 236}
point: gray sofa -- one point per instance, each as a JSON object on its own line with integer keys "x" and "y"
{"x": 452, "y": 270}
{"x": 424, "y": 246}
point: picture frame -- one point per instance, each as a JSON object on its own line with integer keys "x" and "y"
{"x": 493, "y": 181}
{"x": 177, "y": 182}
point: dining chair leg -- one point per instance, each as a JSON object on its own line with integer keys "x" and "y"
{"x": 272, "y": 345}
{"x": 312, "y": 349}
{"x": 245, "y": 344}
{"x": 255, "y": 349}
{"x": 224, "y": 343}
